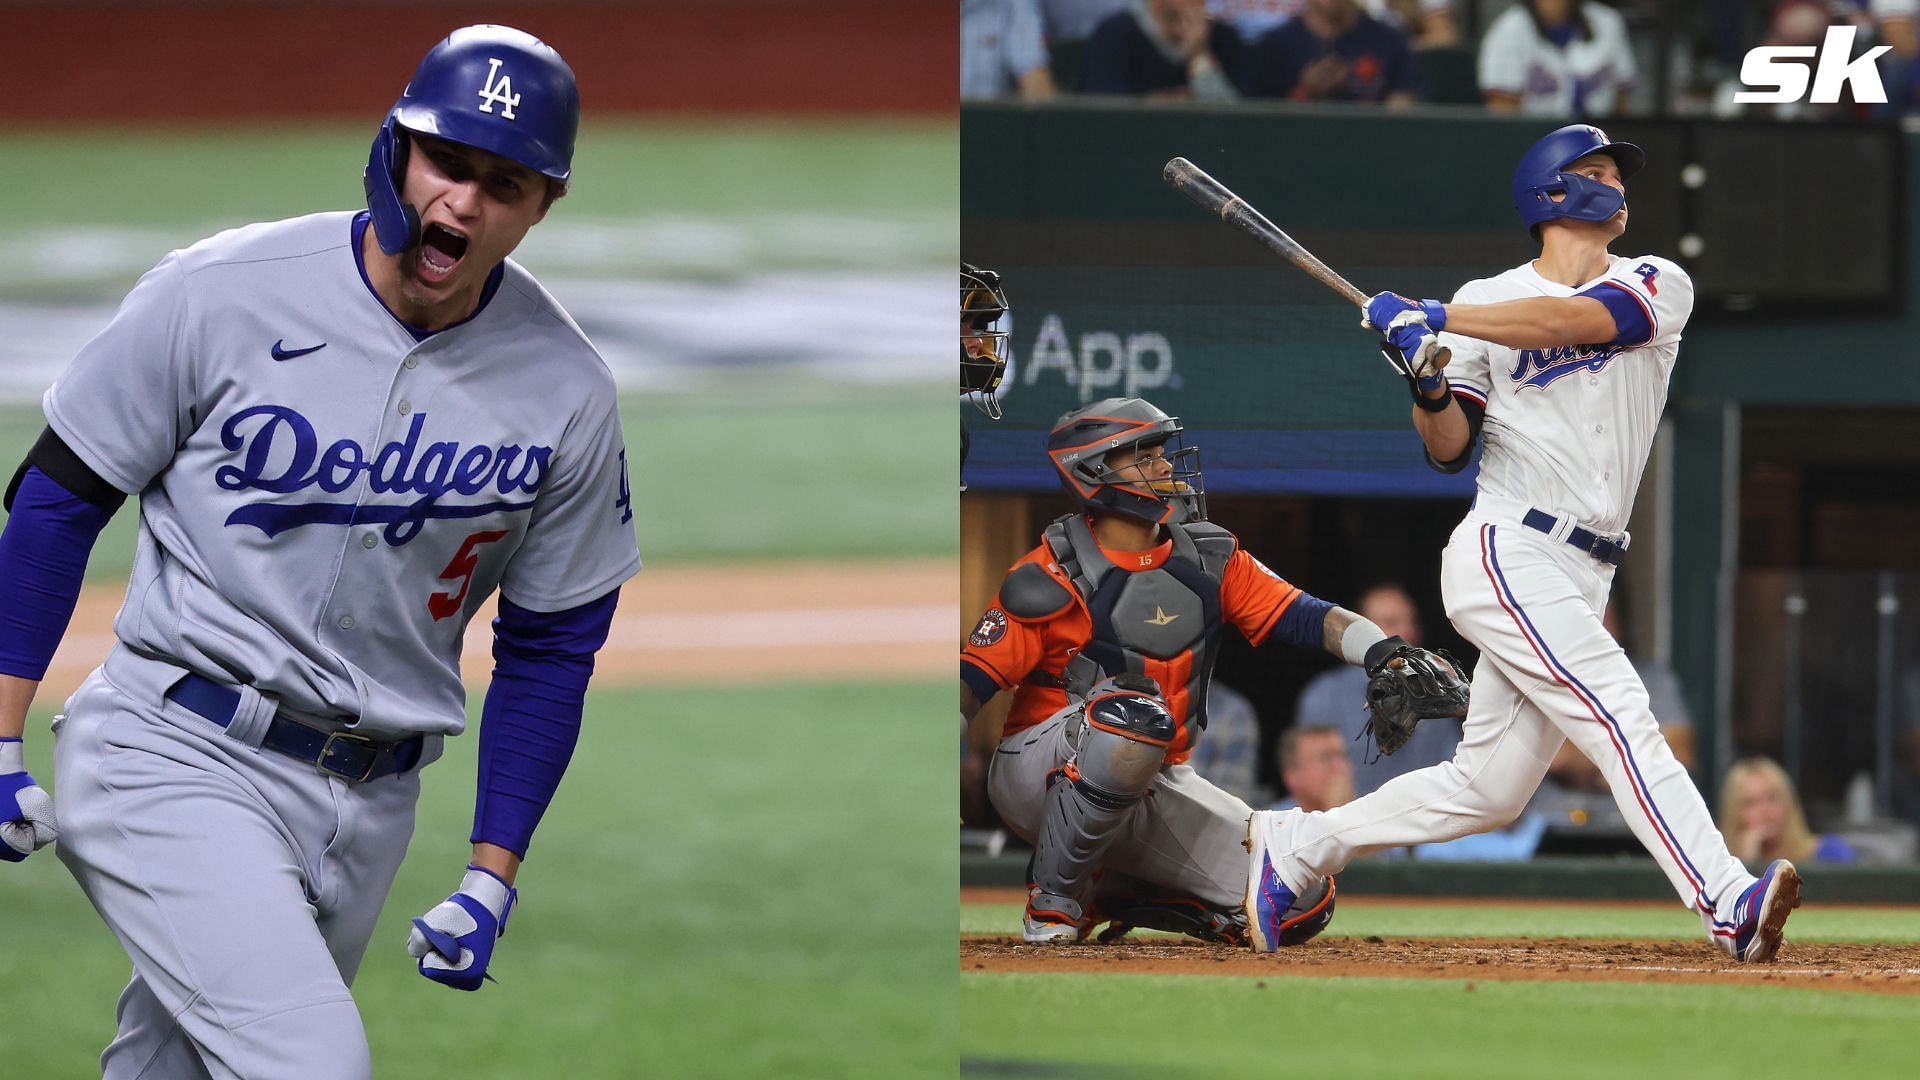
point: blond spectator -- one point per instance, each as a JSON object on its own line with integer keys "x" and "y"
{"x": 1761, "y": 817}
{"x": 1565, "y": 58}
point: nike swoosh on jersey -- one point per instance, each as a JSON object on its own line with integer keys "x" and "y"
{"x": 288, "y": 354}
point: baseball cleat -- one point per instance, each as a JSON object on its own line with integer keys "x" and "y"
{"x": 1050, "y": 921}
{"x": 1275, "y": 916}
{"x": 1760, "y": 915}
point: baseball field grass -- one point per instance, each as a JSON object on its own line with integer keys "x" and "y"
{"x": 712, "y": 894}
{"x": 1381, "y": 1027}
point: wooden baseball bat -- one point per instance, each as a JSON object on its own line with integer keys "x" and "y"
{"x": 1213, "y": 197}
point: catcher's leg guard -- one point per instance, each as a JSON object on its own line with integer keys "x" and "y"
{"x": 1120, "y": 742}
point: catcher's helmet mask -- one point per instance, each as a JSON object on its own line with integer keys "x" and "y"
{"x": 493, "y": 88}
{"x": 983, "y": 343}
{"x": 1082, "y": 440}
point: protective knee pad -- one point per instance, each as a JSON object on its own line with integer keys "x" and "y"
{"x": 1120, "y": 743}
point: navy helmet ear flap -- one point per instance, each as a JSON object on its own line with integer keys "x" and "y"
{"x": 396, "y": 224}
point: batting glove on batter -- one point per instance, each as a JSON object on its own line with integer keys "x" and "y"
{"x": 26, "y": 810}
{"x": 1389, "y": 311}
{"x": 454, "y": 941}
{"x": 1414, "y": 352}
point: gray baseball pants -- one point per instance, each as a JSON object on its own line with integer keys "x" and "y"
{"x": 244, "y": 884}
{"x": 1185, "y": 835}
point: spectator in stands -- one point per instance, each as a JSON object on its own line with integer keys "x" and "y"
{"x": 1333, "y": 51}
{"x": 1165, "y": 49}
{"x": 1315, "y": 768}
{"x": 1074, "y": 20}
{"x": 1228, "y": 755}
{"x": 1560, "y": 58}
{"x": 1761, "y": 817}
{"x": 1794, "y": 22}
{"x": 1428, "y": 23}
{"x": 1894, "y": 25}
{"x": 1337, "y": 699}
{"x": 1002, "y": 51}
{"x": 1571, "y": 769}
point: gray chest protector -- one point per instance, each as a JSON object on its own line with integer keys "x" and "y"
{"x": 1163, "y": 623}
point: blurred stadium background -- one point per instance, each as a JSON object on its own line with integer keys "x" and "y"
{"x": 760, "y": 239}
{"x": 1774, "y": 569}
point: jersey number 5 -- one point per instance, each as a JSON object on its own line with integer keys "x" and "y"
{"x": 460, "y": 568}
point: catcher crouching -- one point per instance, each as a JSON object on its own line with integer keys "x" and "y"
{"x": 1106, "y": 633}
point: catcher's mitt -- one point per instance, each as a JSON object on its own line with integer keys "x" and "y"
{"x": 1407, "y": 684}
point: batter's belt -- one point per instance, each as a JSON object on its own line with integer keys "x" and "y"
{"x": 1606, "y": 549}
{"x": 351, "y": 757}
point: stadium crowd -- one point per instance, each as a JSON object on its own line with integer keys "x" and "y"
{"x": 1548, "y": 58}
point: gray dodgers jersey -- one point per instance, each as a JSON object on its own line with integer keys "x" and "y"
{"x": 323, "y": 526}
{"x": 1569, "y": 429}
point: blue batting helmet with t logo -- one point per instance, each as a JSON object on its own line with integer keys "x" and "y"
{"x": 1542, "y": 174}
{"x": 490, "y": 87}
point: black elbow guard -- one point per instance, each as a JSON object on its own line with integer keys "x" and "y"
{"x": 52, "y": 455}
{"x": 1476, "y": 415}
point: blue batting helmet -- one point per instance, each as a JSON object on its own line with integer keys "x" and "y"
{"x": 490, "y": 87}
{"x": 1542, "y": 174}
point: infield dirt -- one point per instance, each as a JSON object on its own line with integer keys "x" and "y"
{"x": 1866, "y": 968}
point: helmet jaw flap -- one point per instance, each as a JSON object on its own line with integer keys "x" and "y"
{"x": 396, "y": 224}
{"x": 1542, "y": 174}
{"x": 983, "y": 342}
{"x": 1082, "y": 440}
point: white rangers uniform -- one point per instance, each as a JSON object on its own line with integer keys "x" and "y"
{"x": 1567, "y": 434}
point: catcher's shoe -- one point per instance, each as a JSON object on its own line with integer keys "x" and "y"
{"x": 1760, "y": 915}
{"x": 1275, "y": 916}
{"x": 1052, "y": 920}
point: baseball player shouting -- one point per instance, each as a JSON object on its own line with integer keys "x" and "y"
{"x": 1107, "y": 633}
{"x": 1560, "y": 367}
{"x": 345, "y": 430}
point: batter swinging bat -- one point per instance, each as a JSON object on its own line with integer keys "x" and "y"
{"x": 1193, "y": 182}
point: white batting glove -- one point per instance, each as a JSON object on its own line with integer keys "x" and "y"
{"x": 454, "y": 941}
{"x": 26, "y": 810}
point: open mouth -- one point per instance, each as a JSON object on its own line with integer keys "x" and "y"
{"x": 441, "y": 249}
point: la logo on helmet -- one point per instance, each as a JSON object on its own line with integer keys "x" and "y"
{"x": 1771, "y": 65}
{"x": 501, "y": 92}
